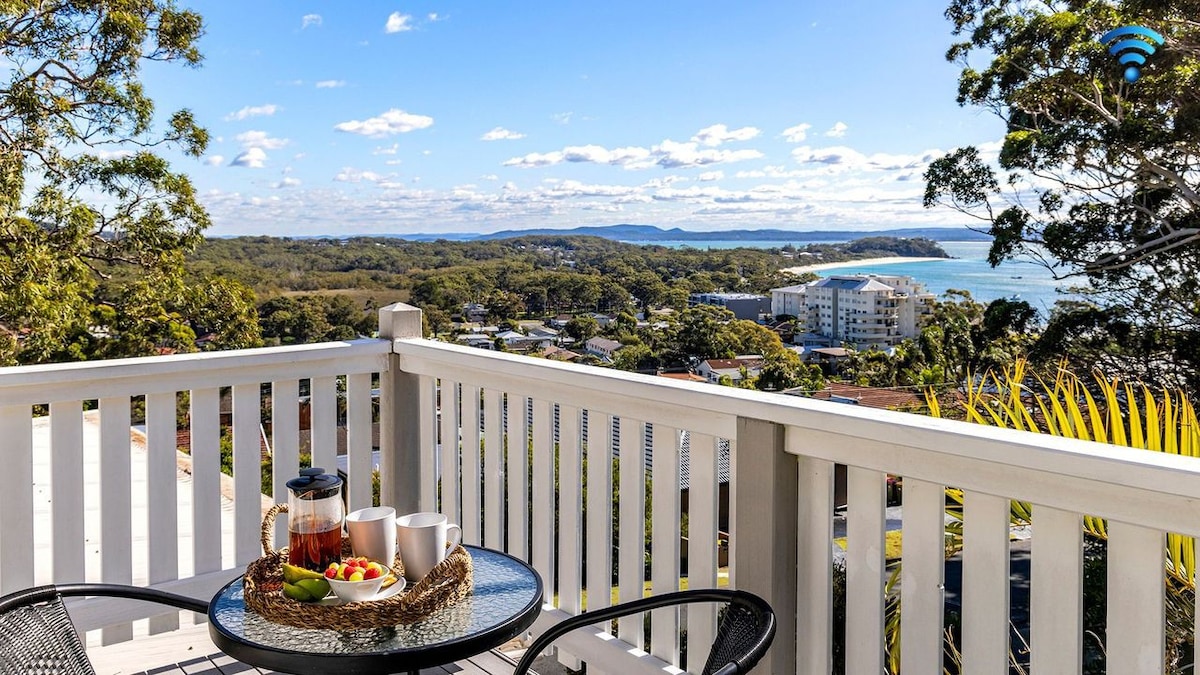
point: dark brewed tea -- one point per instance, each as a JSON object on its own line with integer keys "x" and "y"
{"x": 315, "y": 550}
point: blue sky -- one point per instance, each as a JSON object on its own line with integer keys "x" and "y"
{"x": 381, "y": 117}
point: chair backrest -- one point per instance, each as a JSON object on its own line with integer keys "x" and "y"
{"x": 746, "y": 630}
{"x": 37, "y": 637}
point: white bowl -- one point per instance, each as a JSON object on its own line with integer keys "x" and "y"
{"x": 357, "y": 591}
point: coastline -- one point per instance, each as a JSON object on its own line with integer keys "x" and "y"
{"x": 890, "y": 260}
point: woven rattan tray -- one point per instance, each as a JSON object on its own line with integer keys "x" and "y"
{"x": 447, "y": 583}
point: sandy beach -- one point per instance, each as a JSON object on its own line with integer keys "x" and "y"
{"x": 820, "y": 267}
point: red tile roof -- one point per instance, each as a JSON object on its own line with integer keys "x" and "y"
{"x": 872, "y": 397}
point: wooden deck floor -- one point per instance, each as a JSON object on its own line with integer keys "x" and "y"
{"x": 189, "y": 651}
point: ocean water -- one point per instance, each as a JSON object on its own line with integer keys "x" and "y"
{"x": 967, "y": 270}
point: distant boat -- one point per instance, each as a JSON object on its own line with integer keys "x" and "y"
{"x": 1015, "y": 277}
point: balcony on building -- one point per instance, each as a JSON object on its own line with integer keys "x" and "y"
{"x": 504, "y": 444}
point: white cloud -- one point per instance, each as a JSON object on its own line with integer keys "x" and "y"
{"x": 562, "y": 118}
{"x": 253, "y": 111}
{"x": 501, "y": 134}
{"x": 394, "y": 162}
{"x": 310, "y": 20}
{"x": 330, "y": 84}
{"x": 665, "y": 181}
{"x": 387, "y": 150}
{"x": 260, "y": 139}
{"x": 214, "y": 160}
{"x": 668, "y": 154}
{"x": 490, "y": 176}
{"x": 837, "y": 130}
{"x": 574, "y": 188}
{"x": 674, "y": 155}
{"x": 112, "y": 154}
{"x": 394, "y": 121}
{"x": 253, "y": 158}
{"x": 719, "y": 133}
{"x": 797, "y": 134}
{"x": 842, "y": 158}
{"x": 710, "y": 176}
{"x": 434, "y": 16}
{"x": 398, "y": 23}
{"x": 286, "y": 182}
{"x": 352, "y": 175}
{"x": 771, "y": 171}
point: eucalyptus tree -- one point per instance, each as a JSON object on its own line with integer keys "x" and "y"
{"x": 94, "y": 223}
{"x": 1099, "y": 175}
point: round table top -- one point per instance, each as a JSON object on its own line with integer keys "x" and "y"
{"x": 505, "y": 602}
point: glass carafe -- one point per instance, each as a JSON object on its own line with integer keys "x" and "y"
{"x": 315, "y": 517}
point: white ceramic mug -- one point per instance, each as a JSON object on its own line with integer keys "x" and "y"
{"x": 373, "y": 533}
{"x": 422, "y": 541}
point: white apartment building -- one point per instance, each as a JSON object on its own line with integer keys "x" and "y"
{"x": 861, "y": 310}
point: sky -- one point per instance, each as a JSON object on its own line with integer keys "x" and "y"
{"x": 340, "y": 118}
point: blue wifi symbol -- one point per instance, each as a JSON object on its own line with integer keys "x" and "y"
{"x": 1131, "y": 45}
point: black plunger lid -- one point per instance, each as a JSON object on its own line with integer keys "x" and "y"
{"x": 314, "y": 483}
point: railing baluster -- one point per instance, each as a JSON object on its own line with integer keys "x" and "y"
{"x": 985, "y": 636}
{"x": 247, "y": 472}
{"x": 358, "y": 439}
{"x": 427, "y": 500}
{"x": 116, "y": 536}
{"x": 599, "y": 512}
{"x": 493, "y": 468}
{"x": 207, "y": 516}
{"x": 517, "y": 477}
{"x": 448, "y": 464}
{"x": 664, "y": 541}
{"x": 1136, "y": 606}
{"x": 921, "y": 579}
{"x": 324, "y": 397}
{"x": 66, "y": 489}
{"x": 865, "y": 569}
{"x": 702, "y": 541}
{"x": 472, "y": 504}
{"x": 631, "y": 559}
{"x": 16, "y": 499}
{"x": 570, "y": 512}
{"x": 543, "y": 495}
{"x": 162, "y": 487}
{"x": 814, "y": 533}
{"x": 285, "y": 447}
{"x": 1056, "y": 597}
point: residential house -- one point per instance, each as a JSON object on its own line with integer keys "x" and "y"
{"x": 713, "y": 370}
{"x": 474, "y": 312}
{"x": 602, "y": 347}
{"x": 543, "y": 332}
{"x": 479, "y": 340}
{"x": 558, "y": 353}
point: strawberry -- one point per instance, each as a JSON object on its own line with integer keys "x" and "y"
{"x": 371, "y": 573}
{"x": 331, "y": 573}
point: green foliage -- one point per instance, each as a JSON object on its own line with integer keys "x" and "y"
{"x": 1099, "y": 176}
{"x": 314, "y": 318}
{"x": 962, "y": 337}
{"x": 94, "y": 224}
{"x": 1106, "y": 410}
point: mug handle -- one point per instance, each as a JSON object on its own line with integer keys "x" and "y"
{"x": 456, "y": 539}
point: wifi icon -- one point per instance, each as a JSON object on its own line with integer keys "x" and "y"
{"x": 1132, "y": 45}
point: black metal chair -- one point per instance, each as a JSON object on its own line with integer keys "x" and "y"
{"x": 744, "y": 635}
{"x": 36, "y": 633}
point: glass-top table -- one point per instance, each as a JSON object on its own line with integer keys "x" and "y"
{"x": 505, "y": 602}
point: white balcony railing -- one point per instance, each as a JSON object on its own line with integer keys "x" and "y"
{"x": 505, "y": 444}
